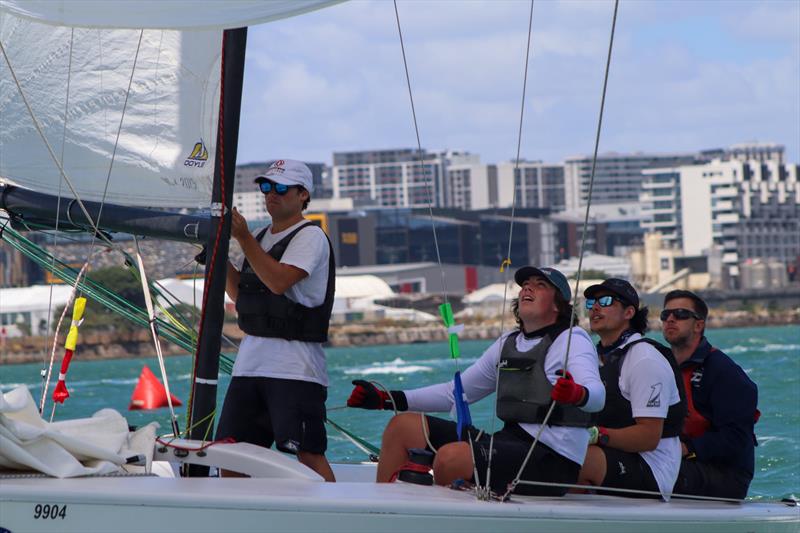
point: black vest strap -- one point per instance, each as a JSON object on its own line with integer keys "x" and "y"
{"x": 265, "y": 314}
{"x": 523, "y": 393}
{"x": 617, "y": 411}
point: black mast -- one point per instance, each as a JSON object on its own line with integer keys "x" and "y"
{"x": 204, "y": 395}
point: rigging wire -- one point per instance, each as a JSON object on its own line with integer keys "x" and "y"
{"x": 516, "y": 480}
{"x": 151, "y": 315}
{"x": 58, "y": 208}
{"x": 458, "y": 401}
{"x": 483, "y": 492}
{"x": 425, "y": 174}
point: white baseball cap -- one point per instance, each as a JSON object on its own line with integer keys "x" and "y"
{"x": 288, "y": 172}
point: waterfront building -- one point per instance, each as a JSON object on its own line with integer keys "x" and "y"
{"x": 531, "y": 184}
{"x": 395, "y": 178}
{"x": 612, "y": 229}
{"x": 469, "y": 184}
{"x": 745, "y": 209}
{"x": 617, "y": 177}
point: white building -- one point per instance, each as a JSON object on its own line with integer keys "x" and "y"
{"x": 537, "y": 184}
{"x": 617, "y": 177}
{"x": 395, "y": 178}
{"x": 743, "y": 209}
{"x": 469, "y": 184}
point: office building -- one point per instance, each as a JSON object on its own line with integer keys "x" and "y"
{"x": 531, "y": 184}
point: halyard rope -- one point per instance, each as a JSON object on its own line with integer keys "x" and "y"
{"x": 516, "y": 480}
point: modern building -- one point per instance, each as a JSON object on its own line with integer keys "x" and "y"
{"x": 752, "y": 151}
{"x": 395, "y": 178}
{"x": 471, "y": 185}
{"x": 617, "y": 177}
{"x": 744, "y": 209}
{"x": 612, "y": 229}
{"x": 531, "y": 184}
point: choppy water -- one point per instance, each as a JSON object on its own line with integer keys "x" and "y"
{"x": 770, "y": 355}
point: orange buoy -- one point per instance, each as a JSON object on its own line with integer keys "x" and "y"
{"x": 150, "y": 393}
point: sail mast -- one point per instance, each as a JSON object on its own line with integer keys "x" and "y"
{"x": 204, "y": 387}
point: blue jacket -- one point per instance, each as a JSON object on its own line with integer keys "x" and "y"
{"x": 724, "y": 395}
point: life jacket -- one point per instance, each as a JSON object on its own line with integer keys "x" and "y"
{"x": 263, "y": 313}
{"x": 695, "y": 424}
{"x": 523, "y": 390}
{"x": 617, "y": 411}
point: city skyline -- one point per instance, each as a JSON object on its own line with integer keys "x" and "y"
{"x": 683, "y": 77}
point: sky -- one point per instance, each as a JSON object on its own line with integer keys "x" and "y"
{"x": 684, "y": 76}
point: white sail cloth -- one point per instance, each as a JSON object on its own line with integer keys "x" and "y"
{"x": 165, "y": 14}
{"x": 82, "y": 447}
{"x": 130, "y": 122}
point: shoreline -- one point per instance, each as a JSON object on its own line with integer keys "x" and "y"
{"x": 134, "y": 344}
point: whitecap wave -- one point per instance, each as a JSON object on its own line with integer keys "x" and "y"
{"x": 741, "y": 348}
{"x": 397, "y": 366}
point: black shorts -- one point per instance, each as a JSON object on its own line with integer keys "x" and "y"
{"x": 708, "y": 479}
{"x": 511, "y": 445}
{"x": 287, "y": 412}
{"x": 628, "y": 470}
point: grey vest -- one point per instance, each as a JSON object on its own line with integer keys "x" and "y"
{"x": 523, "y": 393}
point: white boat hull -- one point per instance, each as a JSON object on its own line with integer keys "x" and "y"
{"x": 260, "y": 504}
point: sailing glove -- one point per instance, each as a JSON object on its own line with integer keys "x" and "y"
{"x": 598, "y": 435}
{"x": 365, "y": 395}
{"x": 567, "y": 391}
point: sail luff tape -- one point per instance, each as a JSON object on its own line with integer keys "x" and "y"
{"x": 203, "y": 381}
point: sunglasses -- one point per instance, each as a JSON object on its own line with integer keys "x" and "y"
{"x": 279, "y": 188}
{"x": 604, "y": 301}
{"x": 679, "y": 314}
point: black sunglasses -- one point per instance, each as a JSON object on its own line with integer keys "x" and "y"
{"x": 680, "y": 314}
{"x": 280, "y": 189}
{"x": 604, "y": 301}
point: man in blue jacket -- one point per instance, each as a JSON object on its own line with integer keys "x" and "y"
{"x": 718, "y": 440}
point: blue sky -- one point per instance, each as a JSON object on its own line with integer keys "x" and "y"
{"x": 685, "y": 75}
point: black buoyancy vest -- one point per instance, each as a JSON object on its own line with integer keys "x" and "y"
{"x": 523, "y": 391}
{"x": 617, "y": 411}
{"x": 263, "y": 313}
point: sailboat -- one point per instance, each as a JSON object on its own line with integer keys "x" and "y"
{"x": 121, "y": 103}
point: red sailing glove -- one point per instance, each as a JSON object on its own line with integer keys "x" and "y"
{"x": 567, "y": 391}
{"x": 365, "y": 395}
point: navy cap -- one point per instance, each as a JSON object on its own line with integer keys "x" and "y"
{"x": 556, "y": 278}
{"x": 616, "y": 286}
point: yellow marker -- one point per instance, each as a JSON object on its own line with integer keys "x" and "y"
{"x": 77, "y": 315}
{"x": 506, "y": 263}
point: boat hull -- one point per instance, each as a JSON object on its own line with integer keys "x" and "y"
{"x": 252, "y": 504}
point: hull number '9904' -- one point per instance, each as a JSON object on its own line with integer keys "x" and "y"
{"x": 51, "y": 512}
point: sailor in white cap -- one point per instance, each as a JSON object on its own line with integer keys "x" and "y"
{"x": 284, "y": 295}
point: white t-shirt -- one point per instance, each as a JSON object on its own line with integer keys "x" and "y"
{"x": 480, "y": 378}
{"x": 280, "y": 358}
{"x": 647, "y": 381}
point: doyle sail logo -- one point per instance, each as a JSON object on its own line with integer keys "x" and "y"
{"x": 198, "y": 157}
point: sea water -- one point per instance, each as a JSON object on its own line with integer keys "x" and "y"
{"x": 769, "y": 355}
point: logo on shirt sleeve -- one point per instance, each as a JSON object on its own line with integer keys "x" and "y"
{"x": 655, "y": 396}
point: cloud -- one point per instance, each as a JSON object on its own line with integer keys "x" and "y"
{"x": 681, "y": 78}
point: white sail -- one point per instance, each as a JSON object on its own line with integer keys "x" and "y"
{"x": 163, "y": 14}
{"x": 164, "y": 154}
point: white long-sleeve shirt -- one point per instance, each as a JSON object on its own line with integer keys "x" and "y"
{"x": 479, "y": 381}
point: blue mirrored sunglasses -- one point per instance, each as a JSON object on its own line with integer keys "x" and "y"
{"x": 604, "y": 301}
{"x": 279, "y": 188}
